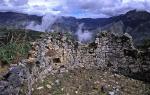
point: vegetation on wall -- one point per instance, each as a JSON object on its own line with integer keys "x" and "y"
{"x": 14, "y": 44}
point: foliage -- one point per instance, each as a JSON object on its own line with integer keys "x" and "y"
{"x": 147, "y": 89}
{"x": 18, "y": 35}
{"x": 14, "y": 43}
{"x": 9, "y": 52}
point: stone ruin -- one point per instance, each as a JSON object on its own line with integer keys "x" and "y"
{"x": 49, "y": 55}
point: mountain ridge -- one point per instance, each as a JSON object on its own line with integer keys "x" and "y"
{"x": 136, "y": 23}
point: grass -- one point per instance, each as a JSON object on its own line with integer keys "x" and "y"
{"x": 15, "y": 44}
{"x": 147, "y": 89}
{"x": 12, "y": 51}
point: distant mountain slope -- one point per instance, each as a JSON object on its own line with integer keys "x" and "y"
{"x": 17, "y": 20}
{"x": 130, "y": 19}
{"x": 136, "y": 23}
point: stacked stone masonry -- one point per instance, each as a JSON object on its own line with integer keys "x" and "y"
{"x": 50, "y": 55}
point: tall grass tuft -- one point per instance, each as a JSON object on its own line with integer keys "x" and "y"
{"x": 14, "y": 44}
{"x": 10, "y": 51}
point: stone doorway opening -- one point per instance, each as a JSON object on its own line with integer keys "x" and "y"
{"x": 56, "y": 60}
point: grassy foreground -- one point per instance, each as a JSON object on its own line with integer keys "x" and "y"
{"x": 11, "y": 52}
{"x": 14, "y": 44}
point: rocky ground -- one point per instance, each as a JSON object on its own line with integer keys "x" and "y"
{"x": 88, "y": 82}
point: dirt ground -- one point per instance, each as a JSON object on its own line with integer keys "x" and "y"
{"x": 88, "y": 82}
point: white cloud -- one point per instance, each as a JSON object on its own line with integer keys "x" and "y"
{"x": 18, "y": 2}
{"x": 83, "y": 35}
{"x": 78, "y": 8}
{"x": 47, "y": 21}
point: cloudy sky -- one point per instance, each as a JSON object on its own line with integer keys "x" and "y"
{"x": 77, "y": 8}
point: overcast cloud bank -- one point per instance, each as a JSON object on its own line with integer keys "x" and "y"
{"x": 77, "y": 8}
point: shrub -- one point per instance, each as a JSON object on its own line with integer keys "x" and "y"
{"x": 15, "y": 44}
{"x": 10, "y": 51}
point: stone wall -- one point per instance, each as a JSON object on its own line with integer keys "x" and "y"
{"x": 117, "y": 54}
{"x": 49, "y": 55}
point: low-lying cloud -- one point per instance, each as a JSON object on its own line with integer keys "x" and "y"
{"x": 77, "y": 8}
{"x": 45, "y": 25}
{"x": 83, "y": 35}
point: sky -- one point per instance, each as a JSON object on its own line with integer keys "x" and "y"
{"x": 76, "y": 8}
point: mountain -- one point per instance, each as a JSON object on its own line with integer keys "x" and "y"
{"x": 17, "y": 20}
{"x": 136, "y": 23}
{"x": 131, "y": 19}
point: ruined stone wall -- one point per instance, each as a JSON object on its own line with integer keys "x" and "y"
{"x": 117, "y": 54}
{"x": 49, "y": 55}
{"x": 106, "y": 51}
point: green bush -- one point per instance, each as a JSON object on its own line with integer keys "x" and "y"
{"x": 10, "y": 51}
{"x": 15, "y": 43}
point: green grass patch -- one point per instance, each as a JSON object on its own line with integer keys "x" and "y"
{"x": 14, "y": 44}
{"x": 11, "y": 51}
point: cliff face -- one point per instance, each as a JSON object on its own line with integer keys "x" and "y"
{"x": 110, "y": 51}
